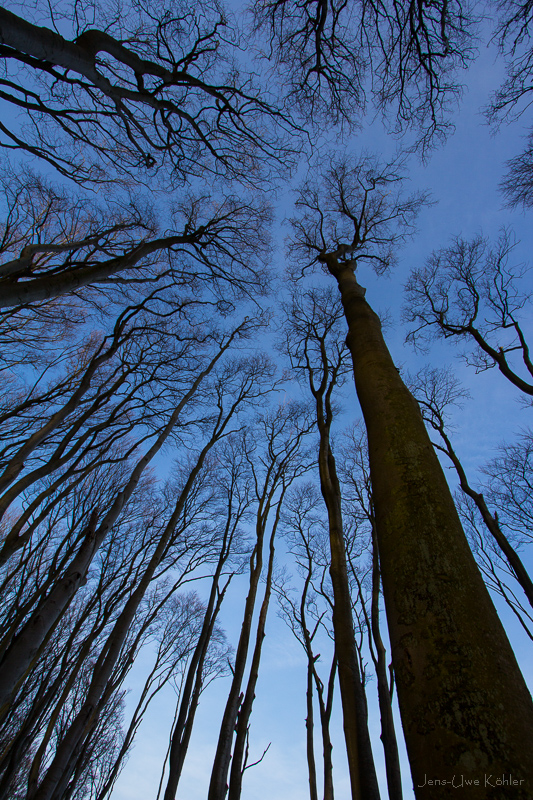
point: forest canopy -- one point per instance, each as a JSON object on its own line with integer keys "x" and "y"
{"x": 216, "y": 445}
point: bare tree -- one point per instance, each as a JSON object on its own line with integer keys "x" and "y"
{"x": 468, "y": 292}
{"x": 509, "y": 486}
{"x": 55, "y": 242}
{"x": 237, "y": 385}
{"x": 230, "y": 510}
{"x": 152, "y": 86}
{"x": 334, "y": 54}
{"x": 357, "y": 492}
{"x": 312, "y": 333}
{"x": 28, "y": 641}
{"x": 276, "y": 457}
{"x": 305, "y": 530}
{"x": 512, "y": 99}
{"x": 438, "y": 609}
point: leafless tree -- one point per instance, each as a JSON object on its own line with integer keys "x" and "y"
{"x": 509, "y": 486}
{"x": 314, "y": 343}
{"x": 357, "y": 493}
{"x": 438, "y": 608}
{"x": 470, "y": 293}
{"x": 230, "y": 510}
{"x": 333, "y": 55}
{"x": 55, "y": 242}
{"x": 152, "y": 86}
{"x": 512, "y": 99}
{"x": 276, "y": 456}
{"x": 308, "y": 614}
{"x": 236, "y": 385}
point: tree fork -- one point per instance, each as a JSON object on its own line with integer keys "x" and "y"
{"x": 466, "y": 710}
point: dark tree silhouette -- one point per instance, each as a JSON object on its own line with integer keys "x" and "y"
{"x": 439, "y": 612}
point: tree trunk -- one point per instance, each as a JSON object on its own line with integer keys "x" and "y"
{"x": 111, "y": 650}
{"x": 363, "y": 779}
{"x": 193, "y": 685}
{"x": 309, "y": 731}
{"x": 388, "y": 731}
{"x": 466, "y": 711}
{"x": 221, "y": 762}
{"x": 245, "y": 711}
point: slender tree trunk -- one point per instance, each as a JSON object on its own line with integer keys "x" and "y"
{"x": 19, "y": 656}
{"x": 465, "y": 708}
{"x": 111, "y": 651}
{"x": 325, "y": 717}
{"x": 363, "y": 779}
{"x": 309, "y": 730}
{"x": 191, "y": 690}
{"x": 245, "y": 711}
{"x": 219, "y": 772}
{"x": 26, "y": 646}
{"x": 388, "y": 731}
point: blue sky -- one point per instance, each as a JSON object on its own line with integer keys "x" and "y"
{"x": 463, "y": 178}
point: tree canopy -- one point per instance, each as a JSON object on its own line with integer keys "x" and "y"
{"x": 207, "y": 416}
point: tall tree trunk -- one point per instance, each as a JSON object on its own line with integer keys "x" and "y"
{"x": 325, "y": 717}
{"x": 221, "y": 762}
{"x": 105, "y": 664}
{"x": 193, "y": 685}
{"x": 363, "y": 779}
{"x": 388, "y": 731}
{"x": 245, "y": 711}
{"x": 26, "y": 645}
{"x": 310, "y": 730}
{"x": 465, "y": 708}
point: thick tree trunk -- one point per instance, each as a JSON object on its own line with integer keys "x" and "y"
{"x": 466, "y": 711}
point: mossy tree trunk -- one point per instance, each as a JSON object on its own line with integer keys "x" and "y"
{"x": 465, "y": 708}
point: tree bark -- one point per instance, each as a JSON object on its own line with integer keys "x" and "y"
{"x": 363, "y": 779}
{"x": 466, "y": 710}
{"x": 388, "y": 731}
{"x": 245, "y": 711}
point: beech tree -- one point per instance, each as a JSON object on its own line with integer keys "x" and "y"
{"x": 317, "y": 356}
{"x": 55, "y": 242}
{"x": 134, "y": 452}
{"x": 275, "y": 461}
{"x": 470, "y": 293}
{"x": 150, "y": 88}
{"x": 357, "y": 492}
{"x": 307, "y": 617}
{"x": 406, "y": 57}
{"x": 438, "y": 609}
